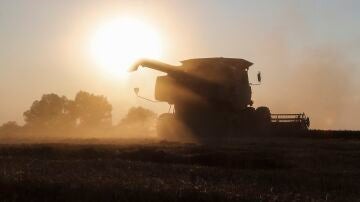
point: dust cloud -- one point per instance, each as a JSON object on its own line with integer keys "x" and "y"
{"x": 299, "y": 76}
{"x": 317, "y": 82}
{"x": 322, "y": 84}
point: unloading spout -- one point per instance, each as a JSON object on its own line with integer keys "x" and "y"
{"x": 156, "y": 65}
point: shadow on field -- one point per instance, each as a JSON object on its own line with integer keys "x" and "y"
{"x": 199, "y": 155}
{"x": 241, "y": 160}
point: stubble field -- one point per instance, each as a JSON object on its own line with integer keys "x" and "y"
{"x": 250, "y": 169}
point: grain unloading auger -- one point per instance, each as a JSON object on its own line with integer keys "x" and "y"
{"x": 212, "y": 98}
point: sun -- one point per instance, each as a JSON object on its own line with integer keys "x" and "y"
{"x": 117, "y": 44}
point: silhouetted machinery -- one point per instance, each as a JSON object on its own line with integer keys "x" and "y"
{"x": 212, "y": 98}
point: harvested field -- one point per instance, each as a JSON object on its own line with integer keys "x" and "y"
{"x": 253, "y": 169}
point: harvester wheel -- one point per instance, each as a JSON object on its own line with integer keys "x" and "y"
{"x": 249, "y": 118}
{"x": 263, "y": 116}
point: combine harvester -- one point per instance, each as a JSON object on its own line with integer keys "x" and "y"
{"x": 212, "y": 98}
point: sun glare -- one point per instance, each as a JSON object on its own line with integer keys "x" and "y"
{"x": 117, "y": 44}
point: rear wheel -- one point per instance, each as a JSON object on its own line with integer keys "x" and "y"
{"x": 263, "y": 117}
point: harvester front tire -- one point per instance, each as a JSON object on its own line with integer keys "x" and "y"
{"x": 263, "y": 116}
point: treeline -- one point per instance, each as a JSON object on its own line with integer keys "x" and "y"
{"x": 87, "y": 115}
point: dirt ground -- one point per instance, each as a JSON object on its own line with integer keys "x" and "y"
{"x": 250, "y": 169}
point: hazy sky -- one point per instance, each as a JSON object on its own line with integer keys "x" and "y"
{"x": 307, "y": 51}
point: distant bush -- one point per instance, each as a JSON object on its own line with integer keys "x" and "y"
{"x": 9, "y": 129}
{"x": 138, "y": 121}
{"x": 138, "y": 114}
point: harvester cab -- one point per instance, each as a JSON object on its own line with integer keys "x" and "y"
{"x": 211, "y": 97}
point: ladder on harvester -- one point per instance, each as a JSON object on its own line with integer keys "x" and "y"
{"x": 290, "y": 121}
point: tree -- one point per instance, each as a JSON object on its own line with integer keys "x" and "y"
{"x": 51, "y": 111}
{"x": 59, "y": 115}
{"x": 9, "y": 128}
{"x": 138, "y": 115}
{"x": 92, "y": 110}
{"x": 138, "y": 121}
